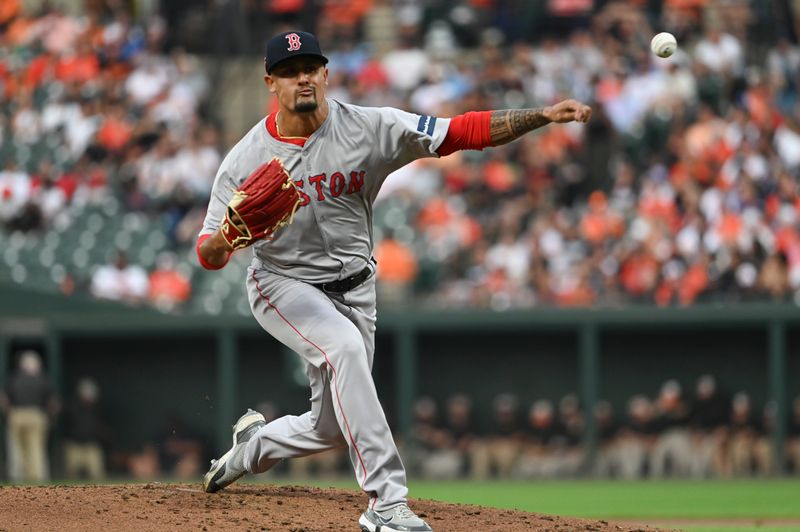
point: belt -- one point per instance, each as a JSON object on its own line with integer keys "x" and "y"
{"x": 345, "y": 285}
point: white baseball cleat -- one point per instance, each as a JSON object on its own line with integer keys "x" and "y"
{"x": 397, "y": 519}
{"x": 230, "y": 467}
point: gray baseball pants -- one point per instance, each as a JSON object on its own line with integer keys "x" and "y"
{"x": 335, "y": 336}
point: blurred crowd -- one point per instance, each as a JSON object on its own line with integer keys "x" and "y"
{"x": 705, "y": 433}
{"x": 682, "y": 189}
{"x": 47, "y": 437}
{"x": 702, "y": 434}
{"x": 95, "y": 111}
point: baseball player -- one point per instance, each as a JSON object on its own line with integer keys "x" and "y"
{"x": 311, "y": 283}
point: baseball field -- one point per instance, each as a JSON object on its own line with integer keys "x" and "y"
{"x": 752, "y": 505}
{"x": 699, "y": 506}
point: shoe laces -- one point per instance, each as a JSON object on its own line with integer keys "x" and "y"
{"x": 403, "y": 511}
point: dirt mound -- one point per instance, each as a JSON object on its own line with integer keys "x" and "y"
{"x": 145, "y": 507}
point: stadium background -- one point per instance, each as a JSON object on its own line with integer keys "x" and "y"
{"x": 580, "y": 265}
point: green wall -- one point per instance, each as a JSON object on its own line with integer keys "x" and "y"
{"x": 639, "y": 362}
{"x": 531, "y": 365}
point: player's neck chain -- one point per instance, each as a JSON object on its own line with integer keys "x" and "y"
{"x": 278, "y": 129}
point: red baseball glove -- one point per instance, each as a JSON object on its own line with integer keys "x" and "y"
{"x": 266, "y": 201}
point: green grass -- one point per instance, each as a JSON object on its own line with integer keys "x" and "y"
{"x": 745, "y": 500}
{"x": 754, "y": 528}
{"x": 665, "y": 499}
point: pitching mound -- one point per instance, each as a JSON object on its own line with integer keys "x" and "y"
{"x": 144, "y": 507}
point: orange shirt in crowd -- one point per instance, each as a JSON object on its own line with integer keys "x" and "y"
{"x": 38, "y": 69}
{"x": 499, "y": 176}
{"x": 396, "y": 262}
{"x": 114, "y": 134}
{"x": 286, "y": 6}
{"x": 692, "y": 284}
{"x": 436, "y": 212}
{"x": 80, "y": 68}
{"x": 345, "y": 12}
{"x": 8, "y": 10}
{"x": 170, "y": 286}
{"x": 639, "y": 274}
{"x": 579, "y": 296}
{"x": 730, "y": 227}
{"x": 599, "y": 223}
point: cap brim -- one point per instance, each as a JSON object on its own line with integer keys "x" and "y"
{"x": 276, "y": 63}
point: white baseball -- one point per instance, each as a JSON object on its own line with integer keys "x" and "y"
{"x": 664, "y": 44}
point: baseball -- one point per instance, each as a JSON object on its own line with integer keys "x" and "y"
{"x": 664, "y": 44}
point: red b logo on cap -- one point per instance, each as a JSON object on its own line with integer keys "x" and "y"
{"x": 294, "y": 42}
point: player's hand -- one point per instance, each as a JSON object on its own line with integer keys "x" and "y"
{"x": 568, "y": 111}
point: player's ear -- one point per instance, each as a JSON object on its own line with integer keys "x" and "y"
{"x": 269, "y": 82}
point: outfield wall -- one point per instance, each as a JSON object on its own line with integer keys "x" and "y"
{"x": 205, "y": 370}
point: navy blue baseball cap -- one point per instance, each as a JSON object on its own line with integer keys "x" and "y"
{"x": 291, "y": 44}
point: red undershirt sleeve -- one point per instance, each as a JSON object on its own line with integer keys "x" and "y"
{"x": 203, "y": 262}
{"x": 470, "y": 131}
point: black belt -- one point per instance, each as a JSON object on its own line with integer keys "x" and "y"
{"x": 345, "y": 285}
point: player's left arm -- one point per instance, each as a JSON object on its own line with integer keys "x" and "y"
{"x": 213, "y": 250}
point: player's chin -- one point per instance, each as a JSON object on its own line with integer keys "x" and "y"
{"x": 305, "y": 105}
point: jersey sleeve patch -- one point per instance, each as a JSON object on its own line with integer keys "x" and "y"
{"x": 426, "y": 124}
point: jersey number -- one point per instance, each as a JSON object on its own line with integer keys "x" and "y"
{"x": 294, "y": 42}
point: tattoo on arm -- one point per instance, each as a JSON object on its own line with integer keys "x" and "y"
{"x": 511, "y": 124}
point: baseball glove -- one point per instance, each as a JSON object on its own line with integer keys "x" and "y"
{"x": 266, "y": 201}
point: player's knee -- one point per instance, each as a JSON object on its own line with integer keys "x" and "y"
{"x": 349, "y": 349}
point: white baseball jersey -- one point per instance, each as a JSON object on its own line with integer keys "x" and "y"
{"x": 338, "y": 171}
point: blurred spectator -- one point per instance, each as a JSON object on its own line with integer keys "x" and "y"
{"x": 570, "y": 450}
{"x": 459, "y": 426}
{"x": 635, "y": 440}
{"x": 29, "y": 402}
{"x": 607, "y": 428}
{"x": 497, "y": 454}
{"x": 763, "y": 457}
{"x": 721, "y": 52}
{"x": 793, "y": 437}
{"x": 397, "y": 269}
{"x": 181, "y": 451}
{"x": 536, "y": 459}
{"x": 15, "y": 192}
{"x": 8, "y": 10}
{"x": 144, "y": 465}
{"x": 431, "y": 445}
{"x": 743, "y": 435}
{"x": 406, "y": 65}
{"x": 85, "y": 434}
{"x": 709, "y": 415}
{"x": 120, "y": 281}
{"x": 672, "y": 448}
{"x": 167, "y": 287}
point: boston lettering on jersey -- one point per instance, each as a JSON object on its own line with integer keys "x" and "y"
{"x": 336, "y": 184}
